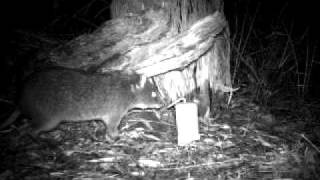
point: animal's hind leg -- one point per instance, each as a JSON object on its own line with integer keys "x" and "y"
{"x": 44, "y": 125}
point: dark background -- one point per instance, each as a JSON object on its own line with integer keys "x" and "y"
{"x": 34, "y": 14}
{"x": 40, "y": 16}
{"x": 302, "y": 16}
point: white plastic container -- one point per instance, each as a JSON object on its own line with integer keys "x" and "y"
{"x": 187, "y": 123}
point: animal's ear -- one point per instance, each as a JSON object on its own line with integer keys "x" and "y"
{"x": 143, "y": 80}
{"x": 150, "y": 80}
{"x": 133, "y": 88}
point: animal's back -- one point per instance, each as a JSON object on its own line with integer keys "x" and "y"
{"x": 56, "y": 95}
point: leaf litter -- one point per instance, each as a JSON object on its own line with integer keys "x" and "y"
{"x": 242, "y": 141}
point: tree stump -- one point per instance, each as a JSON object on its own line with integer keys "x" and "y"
{"x": 207, "y": 78}
{"x": 183, "y": 45}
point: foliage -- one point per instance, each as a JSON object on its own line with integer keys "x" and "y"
{"x": 270, "y": 62}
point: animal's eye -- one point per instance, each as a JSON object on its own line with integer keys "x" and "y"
{"x": 153, "y": 94}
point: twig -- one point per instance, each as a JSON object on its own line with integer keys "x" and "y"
{"x": 314, "y": 146}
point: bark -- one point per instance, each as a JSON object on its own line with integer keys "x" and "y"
{"x": 183, "y": 44}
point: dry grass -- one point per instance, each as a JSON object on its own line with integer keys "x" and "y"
{"x": 271, "y": 63}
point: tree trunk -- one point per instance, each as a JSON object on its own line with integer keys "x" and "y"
{"x": 211, "y": 71}
{"x": 182, "y": 44}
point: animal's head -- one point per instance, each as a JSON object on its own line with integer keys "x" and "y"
{"x": 147, "y": 95}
